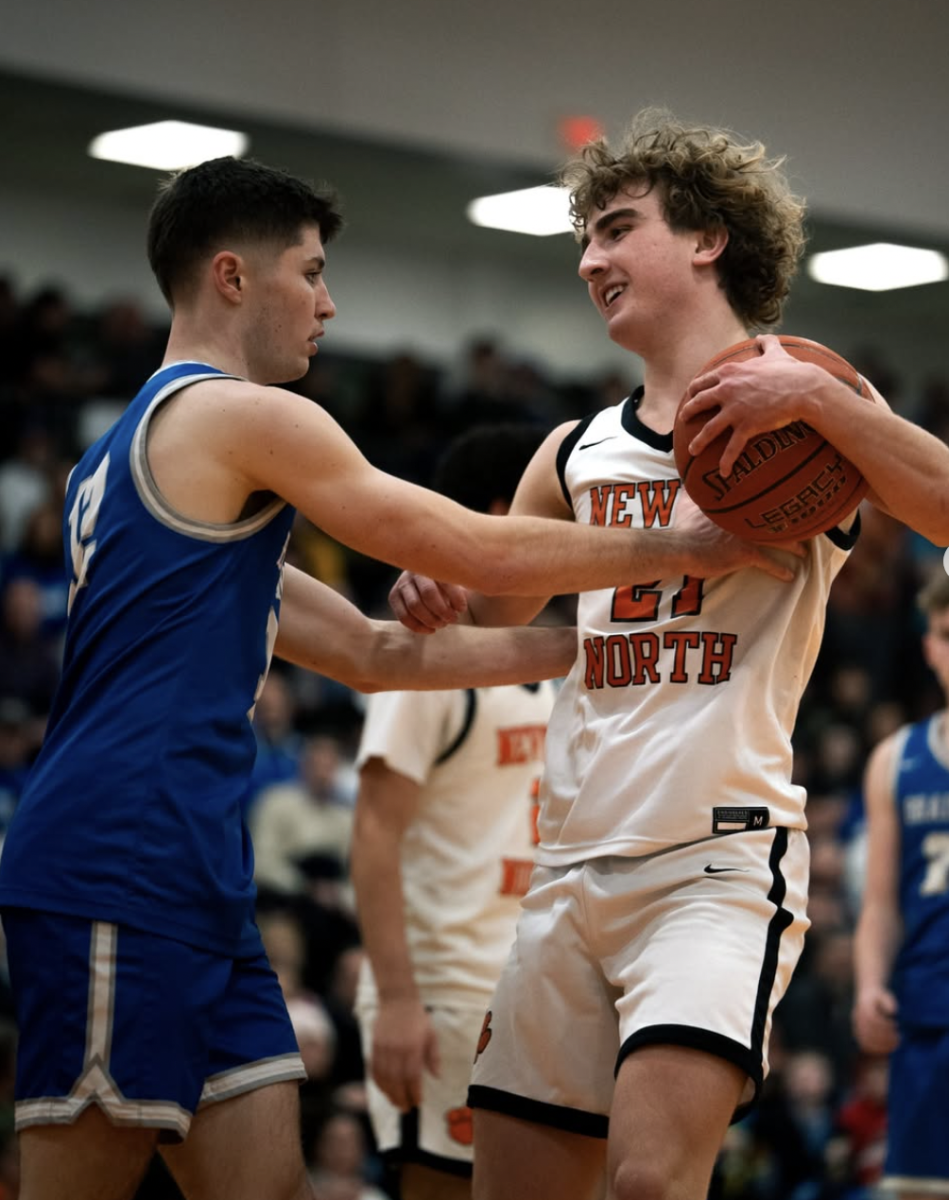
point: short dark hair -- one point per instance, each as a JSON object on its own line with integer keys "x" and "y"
{"x": 486, "y": 463}
{"x": 199, "y": 210}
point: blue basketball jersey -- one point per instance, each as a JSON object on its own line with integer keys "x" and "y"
{"x": 921, "y": 794}
{"x": 132, "y": 811}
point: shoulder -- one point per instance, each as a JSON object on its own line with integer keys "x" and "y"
{"x": 540, "y": 491}
{"x": 245, "y": 422}
{"x": 226, "y": 398}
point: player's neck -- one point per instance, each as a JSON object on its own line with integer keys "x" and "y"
{"x": 670, "y": 366}
{"x": 188, "y": 342}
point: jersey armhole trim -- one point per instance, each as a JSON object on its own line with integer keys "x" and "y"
{"x": 566, "y": 447}
{"x": 470, "y": 706}
{"x": 845, "y": 539}
{"x": 152, "y": 498}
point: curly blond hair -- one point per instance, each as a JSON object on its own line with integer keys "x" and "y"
{"x": 707, "y": 178}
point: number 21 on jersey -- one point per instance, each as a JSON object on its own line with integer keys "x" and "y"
{"x": 82, "y": 525}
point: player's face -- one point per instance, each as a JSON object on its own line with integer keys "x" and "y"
{"x": 936, "y": 647}
{"x": 635, "y": 267}
{"x": 292, "y": 305}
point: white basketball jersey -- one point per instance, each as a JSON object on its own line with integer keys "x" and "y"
{"x": 675, "y": 722}
{"x": 467, "y": 855}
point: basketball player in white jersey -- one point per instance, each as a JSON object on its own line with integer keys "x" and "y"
{"x": 667, "y": 910}
{"x": 442, "y": 853}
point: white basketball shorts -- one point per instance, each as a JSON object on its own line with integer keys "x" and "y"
{"x": 693, "y": 946}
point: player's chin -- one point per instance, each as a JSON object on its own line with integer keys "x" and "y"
{"x": 619, "y": 329}
{"x": 290, "y": 372}
{"x": 302, "y": 364}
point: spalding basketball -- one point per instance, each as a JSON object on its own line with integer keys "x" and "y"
{"x": 788, "y": 484}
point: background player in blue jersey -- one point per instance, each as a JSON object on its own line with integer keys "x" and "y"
{"x": 146, "y": 1007}
{"x": 902, "y": 940}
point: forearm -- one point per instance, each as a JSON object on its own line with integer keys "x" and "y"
{"x": 532, "y": 557}
{"x": 906, "y": 467}
{"x": 377, "y": 881}
{"x": 323, "y": 632}
{"x": 876, "y": 941}
{"x": 463, "y": 656}
{"x": 494, "y": 611}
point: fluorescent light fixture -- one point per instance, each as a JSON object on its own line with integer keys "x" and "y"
{"x": 167, "y": 145}
{"x": 539, "y": 211}
{"x": 879, "y": 267}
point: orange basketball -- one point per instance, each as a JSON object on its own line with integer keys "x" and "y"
{"x": 785, "y": 485}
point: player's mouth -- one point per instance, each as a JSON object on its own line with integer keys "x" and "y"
{"x": 610, "y": 294}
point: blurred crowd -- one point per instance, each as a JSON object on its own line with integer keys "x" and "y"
{"x": 820, "y": 1130}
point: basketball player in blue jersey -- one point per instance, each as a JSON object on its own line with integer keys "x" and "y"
{"x": 147, "y": 1012}
{"x": 667, "y": 909}
{"x": 901, "y": 950}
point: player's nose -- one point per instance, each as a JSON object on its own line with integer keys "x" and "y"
{"x": 325, "y": 308}
{"x": 592, "y": 262}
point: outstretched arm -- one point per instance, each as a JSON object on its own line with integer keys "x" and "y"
{"x": 695, "y": 546}
{"x": 322, "y": 631}
{"x": 266, "y": 440}
{"x": 879, "y": 926}
{"x": 906, "y": 467}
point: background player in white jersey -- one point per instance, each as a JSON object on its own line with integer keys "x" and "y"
{"x": 141, "y": 985}
{"x": 901, "y": 963}
{"x": 651, "y": 945}
{"x": 442, "y": 853}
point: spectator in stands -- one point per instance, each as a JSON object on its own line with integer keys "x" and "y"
{"x": 291, "y": 819}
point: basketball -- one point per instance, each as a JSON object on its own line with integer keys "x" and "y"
{"x": 788, "y": 484}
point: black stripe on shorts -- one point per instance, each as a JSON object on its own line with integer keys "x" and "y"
{"x": 571, "y": 1120}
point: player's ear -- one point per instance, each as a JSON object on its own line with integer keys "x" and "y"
{"x": 226, "y": 268}
{"x": 709, "y": 244}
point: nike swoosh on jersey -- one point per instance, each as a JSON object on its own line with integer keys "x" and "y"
{"x": 587, "y": 445}
{"x": 710, "y": 870}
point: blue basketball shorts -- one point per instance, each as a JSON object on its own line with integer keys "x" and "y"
{"x": 917, "y": 1158}
{"x": 146, "y": 1027}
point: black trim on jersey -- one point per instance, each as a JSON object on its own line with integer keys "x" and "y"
{"x": 471, "y": 702}
{"x": 409, "y": 1151}
{"x": 572, "y": 1120}
{"x": 635, "y": 427}
{"x": 845, "y": 539}
{"x": 566, "y": 446}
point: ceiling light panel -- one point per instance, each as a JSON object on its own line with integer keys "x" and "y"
{"x": 167, "y": 145}
{"x": 539, "y": 211}
{"x": 879, "y": 267}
